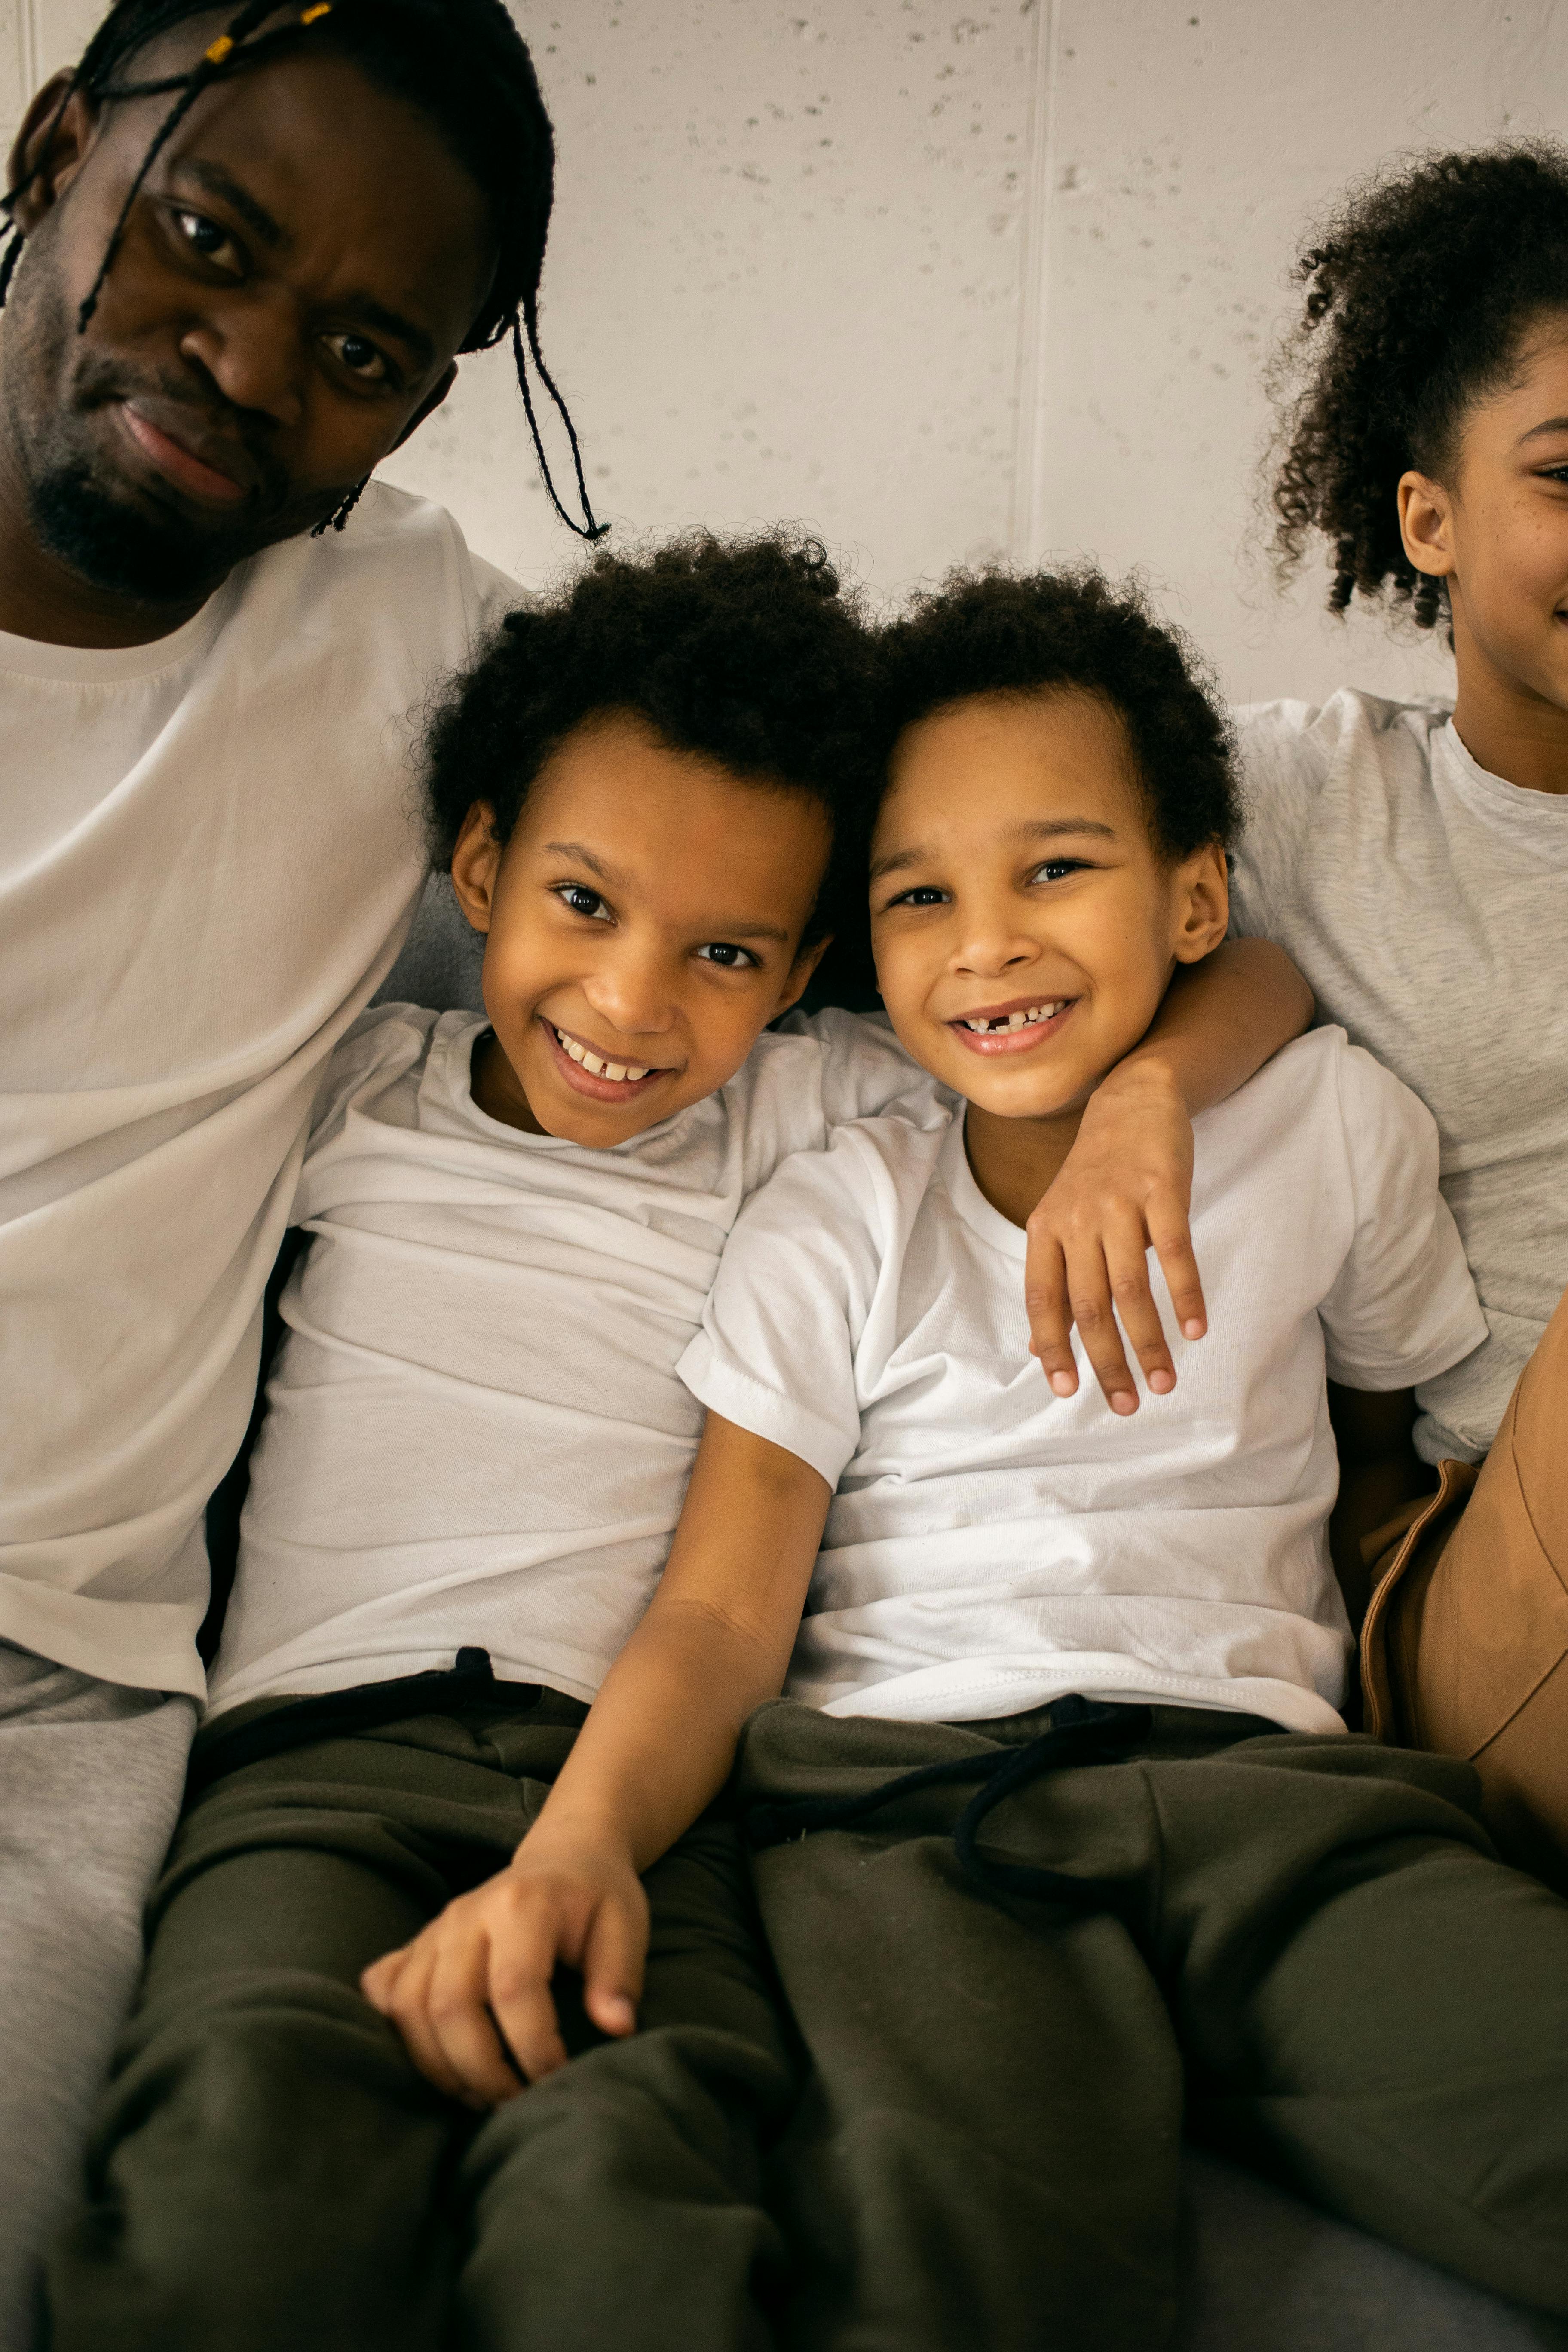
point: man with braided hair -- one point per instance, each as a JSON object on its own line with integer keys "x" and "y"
{"x": 246, "y": 250}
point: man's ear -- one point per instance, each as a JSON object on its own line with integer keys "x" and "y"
{"x": 476, "y": 863}
{"x": 1202, "y": 904}
{"x": 47, "y": 161}
{"x": 1426, "y": 524}
{"x": 799, "y": 976}
{"x": 428, "y": 405}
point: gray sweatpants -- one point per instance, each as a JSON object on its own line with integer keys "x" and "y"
{"x": 91, "y": 1776}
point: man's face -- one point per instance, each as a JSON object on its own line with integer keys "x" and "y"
{"x": 297, "y": 270}
{"x": 643, "y": 924}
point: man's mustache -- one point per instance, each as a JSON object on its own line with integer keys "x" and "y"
{"x": 221, "y": 436}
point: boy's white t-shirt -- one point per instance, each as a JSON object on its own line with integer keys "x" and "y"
{"x": 992, "y": 1545}
{"x": 1426, "y": 903}
{"x": 475, "y": 1433}
{"x": 209, "y": 848}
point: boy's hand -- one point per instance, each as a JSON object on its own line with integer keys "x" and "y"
{"x": 471, "y": 1996}
{"x": 1125, "y": 1186}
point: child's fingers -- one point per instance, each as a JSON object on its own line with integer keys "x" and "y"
{"x": 521, "y": 1967}
{"x": 1127, "y": 1269}
{"x": 1046, "y": 1304}
{"x": 457, "y": 2006}
{"x": 1089, "y": 1290}
{"x": 1170, "y": 1232}
{"x": 377, "y": 1981}
{"x": 405, "y": 2005}
{"x": 612, "y": 1962}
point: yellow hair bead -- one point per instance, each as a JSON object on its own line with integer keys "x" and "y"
{"x": 321, "y": 9}
{"x": 220, "y": 49}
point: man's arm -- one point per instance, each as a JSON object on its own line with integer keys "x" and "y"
{"x": 471, "y": 1995}
{"x": 1380, "y": 1470}
{"x": 1126, "y": 1185}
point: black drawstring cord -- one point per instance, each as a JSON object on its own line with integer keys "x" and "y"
{"x": 1082, "y": 1731}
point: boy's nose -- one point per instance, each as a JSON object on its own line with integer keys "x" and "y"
{"x": 631, "y": 996}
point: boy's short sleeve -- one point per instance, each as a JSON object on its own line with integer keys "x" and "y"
{"x": 866, "y": 1072}
{"x": 776, "y": 1351}
{"x": 373, "y": 1055}
{"x": 1403, "y": 1307}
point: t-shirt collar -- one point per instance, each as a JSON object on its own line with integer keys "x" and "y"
{"x": 971, "y": 1202}
{"x": 1537, "y": 822}
{"x": 117, "y": 665}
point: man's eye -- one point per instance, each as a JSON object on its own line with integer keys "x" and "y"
{"x": 727, "y": 957}
{"x": 584, "y": 901}
{"x": 205, "y": 237}
{"x": 361, "y": 357}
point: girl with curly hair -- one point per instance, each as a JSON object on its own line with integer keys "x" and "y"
{"x": 1412, "y": 858}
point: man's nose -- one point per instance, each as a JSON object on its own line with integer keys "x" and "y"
{"x": 252, "y": 348}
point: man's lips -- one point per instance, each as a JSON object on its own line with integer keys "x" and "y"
{"x": 180, "y": 464}
{"x": 591, "y": 1082}
{"x": 1025, "y": 1023}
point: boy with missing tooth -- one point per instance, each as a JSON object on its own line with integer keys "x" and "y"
{"x": 1060, "y": 1838}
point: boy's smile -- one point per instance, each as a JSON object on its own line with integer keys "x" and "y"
{"x": 1025, "y": 923}
{"x": 643, "y": 925}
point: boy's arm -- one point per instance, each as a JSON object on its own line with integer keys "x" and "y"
{"x": 1379, "y": 1471}
{"x": 471, "y": 1995}
{"x": 1126, "y": 1185}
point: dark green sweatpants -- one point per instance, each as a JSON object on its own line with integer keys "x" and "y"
{"x": 1303, "y": 1948}
{"x": 271, "y": 2174}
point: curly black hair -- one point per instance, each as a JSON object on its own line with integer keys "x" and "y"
{"x": 1008, "y": 633}
{"x": 1419, "y": 293}
{"x": 748, "y": 652}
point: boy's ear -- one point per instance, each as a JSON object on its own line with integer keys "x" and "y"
{"x": 1425, "y": 526}
{"x": 1202, "y": 904}
{"x": 476, "y": 862}
{"x": 800, "y": 973}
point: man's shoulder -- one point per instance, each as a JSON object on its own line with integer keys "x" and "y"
{"x": 401, "y": 564}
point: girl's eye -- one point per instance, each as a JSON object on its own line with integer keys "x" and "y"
{"x": 206, "y": 238}
{"x": 1056, "y": 869}
{"x": 924, "y": 894}
{"x": 729, "y": 957}
{"x": 362, "y": 358}
{"x": 580, "y": 900}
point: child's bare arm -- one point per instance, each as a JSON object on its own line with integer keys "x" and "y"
{"x": 471, "y": 1995}
{"x": 1126, "y": 1185}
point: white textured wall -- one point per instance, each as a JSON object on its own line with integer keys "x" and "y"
{"x": 947, "y": 282}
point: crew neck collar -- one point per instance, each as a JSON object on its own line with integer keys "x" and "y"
{"x": 971, "y": 1202}
{"x": 1537, "y": 821}
{"x": 117, "y": 665}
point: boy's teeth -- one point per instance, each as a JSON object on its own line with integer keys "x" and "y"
{"x": 596, "y": 1067}
{"x": 1016, "y": 1020}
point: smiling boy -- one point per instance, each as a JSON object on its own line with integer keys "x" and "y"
{"x": 1060, "y": 1837}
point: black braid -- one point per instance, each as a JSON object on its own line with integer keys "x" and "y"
{"x": 462, "y": 62}
{"x": 1419, "y": 294}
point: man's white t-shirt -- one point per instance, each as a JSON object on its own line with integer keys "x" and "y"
{"x": 475, "y": 1432}
{"x": 209, "y": 848}
{"x": 992, "y": 1545}
{"x": 1426, "y": 903}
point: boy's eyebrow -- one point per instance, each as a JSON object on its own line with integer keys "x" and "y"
{"x": 1038, "y": 829}
{"x": 585, "y": 856}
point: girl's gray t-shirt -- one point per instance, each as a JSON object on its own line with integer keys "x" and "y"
{"x": 1426, "y": 904}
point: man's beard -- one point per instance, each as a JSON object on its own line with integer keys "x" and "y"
{"x": 121, "y": 544}
{"x": 113, "y": 547}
